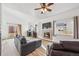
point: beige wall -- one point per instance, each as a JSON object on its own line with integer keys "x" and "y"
{"x": 67, "y": 15}
{"x": 14, "y": 17}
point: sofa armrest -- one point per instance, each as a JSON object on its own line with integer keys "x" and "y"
{"x": 54, "y": 46}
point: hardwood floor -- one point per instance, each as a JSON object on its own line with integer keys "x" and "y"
{"x": 38, "y": 52}
{"x": 9, "y": 49}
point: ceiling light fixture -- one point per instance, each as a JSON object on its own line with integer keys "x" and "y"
{"x": 44, "y": 7}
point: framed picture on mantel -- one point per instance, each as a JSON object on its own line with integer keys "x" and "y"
{"x": 63, "y": 27}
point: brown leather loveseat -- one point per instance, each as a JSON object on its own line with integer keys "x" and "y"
{"x": 64, "y": 48}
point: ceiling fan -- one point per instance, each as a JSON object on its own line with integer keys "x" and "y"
{"x": 44, "y": 7}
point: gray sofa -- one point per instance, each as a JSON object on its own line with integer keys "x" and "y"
{"x": 24, "y": 47}
{"x": 64, "y": 48}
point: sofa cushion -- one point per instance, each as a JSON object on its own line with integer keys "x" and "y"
{"x": 23, "y": 40}
{"x": 71, "y": 45}
{"x": 57, "y": 46}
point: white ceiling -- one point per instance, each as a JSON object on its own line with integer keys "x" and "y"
{"x": 28, "y": 8}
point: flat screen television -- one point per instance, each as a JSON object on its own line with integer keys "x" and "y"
{"x": 46, "y": 25}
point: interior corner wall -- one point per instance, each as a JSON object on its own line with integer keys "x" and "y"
{"x": 69, "y": 14}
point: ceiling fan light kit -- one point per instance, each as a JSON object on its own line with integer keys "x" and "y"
{"x": 43, "y": 10}
{"x": 44, "y": 7}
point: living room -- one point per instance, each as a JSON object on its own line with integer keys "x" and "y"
{"x": 41, "y": 28}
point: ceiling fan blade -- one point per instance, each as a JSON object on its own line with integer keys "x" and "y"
{"x": 42, "y": 5}
{"x": 50, "y": 4}
{"x": 37, "y": 8}
{"x": 49, "y": 10}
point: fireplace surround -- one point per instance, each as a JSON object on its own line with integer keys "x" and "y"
{"x": 47, "y": 35}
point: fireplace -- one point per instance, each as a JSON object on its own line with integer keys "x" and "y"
{"x": 47, "y": 35}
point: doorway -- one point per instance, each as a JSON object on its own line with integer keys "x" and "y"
{"x": 14, "y": 29}
{"x": 18, "y": 29}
